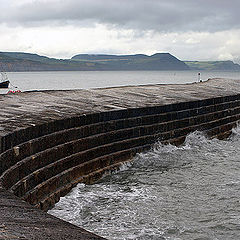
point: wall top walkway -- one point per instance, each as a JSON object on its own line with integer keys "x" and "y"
{"x": 32, "y": 108}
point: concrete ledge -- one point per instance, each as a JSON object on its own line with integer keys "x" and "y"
{"x": 20, "y": 220}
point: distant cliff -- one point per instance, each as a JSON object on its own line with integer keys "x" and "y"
{"x": 213, "y": 65}
{"x": 10, "y": 61}
{"x": 158, "y": 61}
{"x": 17, "y": 61}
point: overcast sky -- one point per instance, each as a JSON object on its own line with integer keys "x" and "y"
{"x": 188, "y": 29}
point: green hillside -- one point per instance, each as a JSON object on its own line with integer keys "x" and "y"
{"x": 158, "y": 61}
{"x": 213, "y": 65}
{"x": 19, "y": 61}
{"x": 13, "y": 61}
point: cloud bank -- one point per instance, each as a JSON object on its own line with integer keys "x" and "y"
{"x": 157, "y": 15}
{"x": 189, "y": 29}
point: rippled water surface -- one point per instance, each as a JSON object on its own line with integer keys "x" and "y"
{"x": 62, "y": 80}
{"x": 187, "y": 192}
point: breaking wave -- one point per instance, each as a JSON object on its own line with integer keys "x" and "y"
{"x": 172, "y": 193}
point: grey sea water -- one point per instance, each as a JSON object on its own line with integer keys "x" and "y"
{"x": 190, "y": 192}
{"x": 28, "y": 81}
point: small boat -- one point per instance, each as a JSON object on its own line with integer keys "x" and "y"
{"x": 4, "y": 82}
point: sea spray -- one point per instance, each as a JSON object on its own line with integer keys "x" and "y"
{"x": 174, "y": 193}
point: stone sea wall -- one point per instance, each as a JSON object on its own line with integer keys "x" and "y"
{"x": 52, "y": 140}
{"x": 42, "y": 163}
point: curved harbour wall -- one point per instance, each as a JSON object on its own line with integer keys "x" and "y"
{"x": 45, "y": 162}
{"x": 42, "y": 162}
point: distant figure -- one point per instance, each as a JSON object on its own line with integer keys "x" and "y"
{"x": 199, "y": 77}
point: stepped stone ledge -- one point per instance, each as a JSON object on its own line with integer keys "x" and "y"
{"x": 52, "y": 140}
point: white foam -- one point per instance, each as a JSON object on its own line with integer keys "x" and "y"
{"x": 236, "y": 130}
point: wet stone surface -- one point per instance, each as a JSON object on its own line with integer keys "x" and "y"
{"x": 39, "y": 107}
{"x": 19, "y": 220}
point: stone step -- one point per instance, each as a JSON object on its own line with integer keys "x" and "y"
{"x": 30, "y": 133}
{"x": 41, "y": 143}
{"x": 176, "y": 136}
{"x": 12, "y": 175}
{"x": 85, "y": 172}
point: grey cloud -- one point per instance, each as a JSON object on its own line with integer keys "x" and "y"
{"x": 158, "y": 15}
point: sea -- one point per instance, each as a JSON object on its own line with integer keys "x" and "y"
{"x": 189, "y": 192}
{"x": 62, "y": 80}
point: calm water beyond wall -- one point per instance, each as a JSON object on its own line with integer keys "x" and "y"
{"x": 26, "y": 81}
